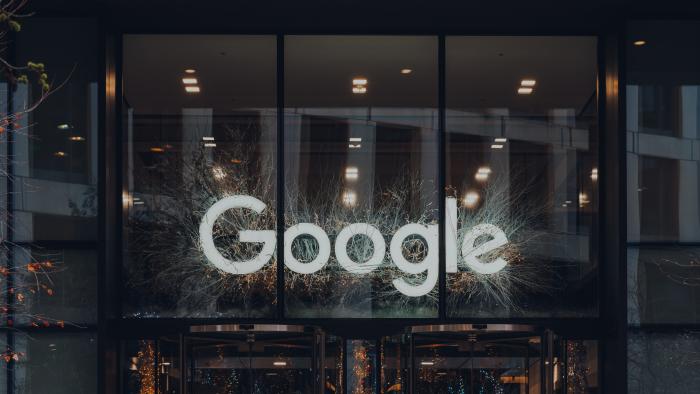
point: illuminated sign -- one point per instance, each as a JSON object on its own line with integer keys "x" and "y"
{"x": 471, "y": 250}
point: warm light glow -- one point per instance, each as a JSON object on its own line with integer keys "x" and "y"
{"x": 470, "y": 199}
{"x": 236, "y": 161}
{"x": 496, "y": 146}
{"x": 359, "y": 90}
{"x": 349, "y": 198}
{"x": 355, "y": 139}
{"x": 482, "y": 174}
{"x": 190, "y": 71}
{"x": 77, "y": 138}
{"x": 157, "y": 149}
{"x": 352, "y": 173}
{"x": 583, "y": 199}
{"x": 279, "y": 363}
{"x": 192, "y": 89}
{"x": 406, "y": 71}
{"x": 484, "y": 170}
{"x": 594, "y": 174}
{"x": 500, "y": 139}
{"x": 359, "y": 81}
{"x": 63, "y": 126}
{"x": 524, "y": 90}
{"x": 528, "y": 82}
{"x": 219, "y": 173}
{"x": 60, "y": 154}
{"x": 189, "y": 81}
{"x": 427, "y": 363}
{"x": 354, "y": 146}
{"x": 640, "y": 43}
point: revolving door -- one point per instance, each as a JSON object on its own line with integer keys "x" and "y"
{"x": 285, "y": 359}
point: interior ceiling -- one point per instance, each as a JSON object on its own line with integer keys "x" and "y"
{"x": 239, "y": 71}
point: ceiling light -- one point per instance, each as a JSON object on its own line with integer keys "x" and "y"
{"x": 189, "y": 81}
{"x": 60, "y": 154}
{"x": 351, "y": 173}
{"x": 207, "y": 138}
{"x": 524, "y": 90}
{"x": 236, "y": 161}
{"x": 594, "y": 174}
{"x": 484, "y": 170}
{"x": 354, "y": 146}
{"x": 480, "y": 176}
{"x": 192, "y": 89}
{"x": 355, "y": 139}
{"x": 64, "y": 126}
{"x": 427, "y": 363}
{"x": 406, "y": 71}
{"x": 76, "y": 138}
{"x": 190, "y": 71}
{"x": 640, "y": 43}
{"x": 157, "y": 149}
{"x": 279, "y": 363}
{"x": 219, "y": 173}
{"x": 528, "y": 82}
{"x": 470, "y": 199}
{"x": 500, "y": 139}
{"x": 139, "y": 203}
{"x": 496, "y": 146}
{"x": 359, "y": 90}
{"x": 359, "y": 81}
{"x": 210, "y": 145}
{"x": 349, "y": 198}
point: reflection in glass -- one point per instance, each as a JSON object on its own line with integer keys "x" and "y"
{"x": 522, "y": 143}
{"x": 186, "y": 149}
{"x": 360, "y": 147}
{"x": 663, "y": 362}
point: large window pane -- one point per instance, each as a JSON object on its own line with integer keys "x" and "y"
{"x": 199, "y": 127}
{"x": 55, "y": 146}
{"x": 522, "y": 209}
{"x": 663, "y": 171}
{"x": 360, "y": 163}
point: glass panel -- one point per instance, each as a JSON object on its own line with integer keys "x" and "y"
{"x": 55, "y": 287}
{"x": 58, "y": 363}
{"x": 200, "y": 128}
{"x": 663, "y": 362}
{"x": 581, "y": 367}
{"x": 333, "y": 365}
{"x": 394, "y": 364}
{"x": 491, "y": 363}
{"x": 522, "y": 172}
{"x": 57, "y": 145}
{"x": 361, "y": 163}
{"x": 152, "y": 367}
{"x": 361, "y": 359}
{"x": 663, "y": 171}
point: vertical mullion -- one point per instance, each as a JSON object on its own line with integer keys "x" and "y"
{"x": 280, "y": 176}
{"x": 442, "y": 277}
{"x": 9, "y": 253}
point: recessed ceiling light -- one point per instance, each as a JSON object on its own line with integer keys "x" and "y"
{"x": 60, "y": 154}
{"x": 594, "y": 174}
{"x": 500, "y": 139}
{"x": 359, "y": 81}
{"x": 354, "y": 146}
{"x": 210, "y": 145}
{"x": 189, "y": 81}
{"x": 190, "y": 71}
{"x": 640, "y": 43}
{"x": 484, "y": 170}
{"x": 496, "y": 146}
{"x": 481, "y": 176}
{"x": 77, "y": 138}
{"x": 427, "y": 363}
{"x": 351, "y": 173}
{"x": 471, "y": 199}
{"x": 279, "y": 363}
{"x": 355, "y": 139}
{"x": 528, "y": 82}
{"x": 192, "y": 89}
{"x": 63, "y": 126}
{"x": 359, "y": 90}
{"x": 157, "y": 149}
{"x": 207, "y": 138}
{"x": 524, "y": 90}
{"x": 406, "y": 71}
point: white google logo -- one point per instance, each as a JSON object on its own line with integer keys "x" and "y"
{"x": 470, "y": 252}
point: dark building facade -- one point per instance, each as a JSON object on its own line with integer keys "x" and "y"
{"x": 354, "y": 197}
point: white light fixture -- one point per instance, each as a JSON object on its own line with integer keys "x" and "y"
{"x": 359, "y": 85}
{"x": 349, "y": 198}
{"x": 190, "y": 71}
{"x": 496, "y": 146}
{"x": 406, "y": 71}
{"x": 359, "y": 81}
{"x": 484, "y": 170}
{"x": 359, "y": 90}
{"x": 355, "y": 139}
{"x": 500, "y": 139}
{"x": 207, "y": 138}
{"x": 354, "y": 146}
{"x": 594, "y": 174}
{"x": 470, "y": 199}
{"x": 189, "y": 81}
{"x": 63, "y": 126}
{"x": 482, "y": 174}
{"x": 219, "y": 173}
{"x": 524, "y": 90}
{"x": 192, "y": 89}
{"x": 640, "y": 43}
{"x": 210, "y": 145}
{"x": 279, "y": 363}
{"x": 528, "y": 82}
{"x": 427, "y": 363}
{"x": 351, "y": 173}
